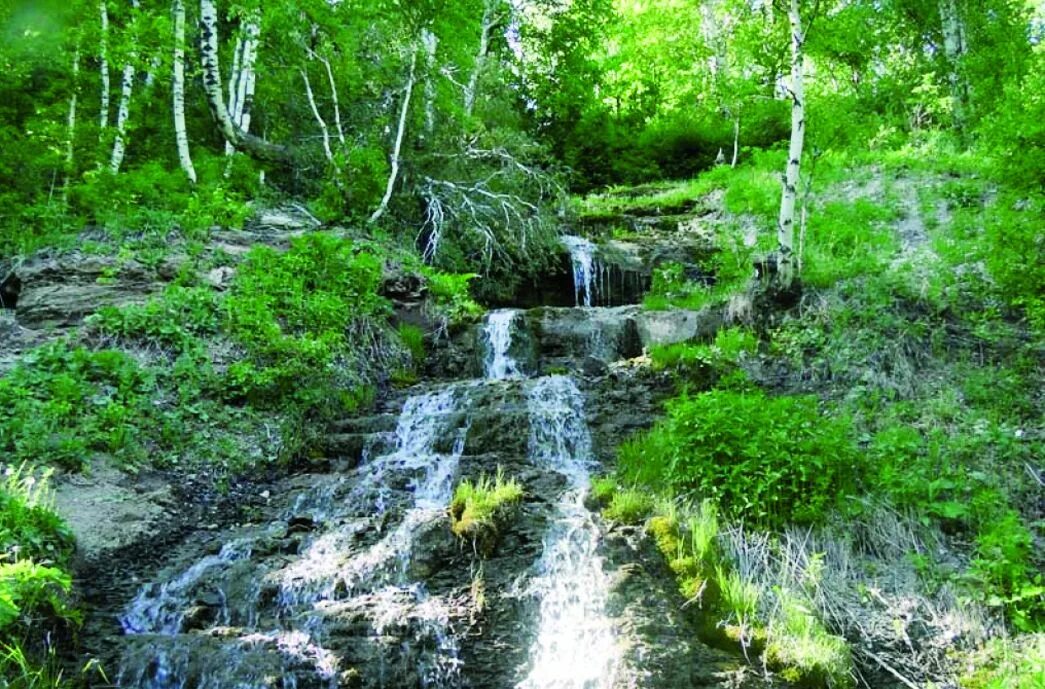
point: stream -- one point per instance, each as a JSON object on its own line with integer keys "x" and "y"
{"x": 345, "y": 587}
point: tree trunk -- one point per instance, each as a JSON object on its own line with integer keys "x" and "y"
{"x": 232, "y": 131}
{"x": 234, "y": 78}
{"x": 123, "y": 112}
{"x": 431, "y": 43}
{"x": 954, "y": 49}
{"x": 736, "y": 141}
{"x": 103, "y": 63}
{"x": 400, "y": 133}
{"x": 786, "y": 223}
{"x": 471, "y": 89}
{"x": 337, "y": 107}
{"x": 319, "y": 118}
{"x": 70, "y": 124}
{"x": 181, "y": 136}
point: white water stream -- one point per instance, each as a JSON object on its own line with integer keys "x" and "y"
{"x": 576, "y": 645}
{"x": 582, "y": 256}
{"x": 497, "y": 339}
{"x": 323, "y": 574}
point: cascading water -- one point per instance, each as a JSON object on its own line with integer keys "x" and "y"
{"x": 582, "y": 256}
{"x": 329, "y": 575}
{"x": 497, "y": 339}
{"x": 576, "y": 646}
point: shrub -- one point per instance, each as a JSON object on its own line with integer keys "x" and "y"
{"x": 64, "y": 403}
{"x": 295, "y": 314}
{"x": 769, "y": 460}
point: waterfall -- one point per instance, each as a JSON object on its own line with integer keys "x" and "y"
{"x": 582, "y": 256}
{"x": 329, "y": 573}
{"x": 576, "y": 645}
{"x": 497, "y": 339}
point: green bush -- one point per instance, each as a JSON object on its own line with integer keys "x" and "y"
{"x": 28, "y": 526}
{"x": 64, "y": 403}
{"x": 296, "y": 314}
{"x": 770, "y": 460}
{"x": 177, "y": 319}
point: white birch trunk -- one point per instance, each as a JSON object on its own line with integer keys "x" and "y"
{"x": 103, "y": 60}
{"x": 123, "y": 112}
{"x": 70, "y": 125}
{"x": 212, "y": 87}
{"x": 736, "y": 141}
{"x": 337, "y": 107}
{"x": 431, "y": 43}
{"x": 400, "y": 133}
{"x": 472, "y": 87}
{"x": 319, "y": 118}
{"x": 954, "y": 50}
{"x": 119, "y": 146}
{"x": 789, "y": 195}
{"x": 234, "y": 78}
{"x": 245, "y": 96}
{"x": 181, "y": 136}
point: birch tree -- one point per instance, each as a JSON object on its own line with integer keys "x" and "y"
{"x": 123, "y": 111}
{"x": 70, "y": 124}
{"x": 233, "y": 131}
{"x": 181, "y": 136}
{"x": 792, "y": 173}
{"x": 103, "y": 65}
{"x": 397, "y": 147}
{"x": 954, "y": 48}
{"x": 487, "y": 23}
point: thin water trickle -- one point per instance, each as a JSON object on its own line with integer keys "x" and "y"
{"x": 582, "y": 256}
{"x": 576, "y": 645}
{"x": 497, "y": 339}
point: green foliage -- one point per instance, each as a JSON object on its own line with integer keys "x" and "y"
{"x": 629, "y": 506}
{"x": 28, "y": 526}
{"x": 65, "y": 403}
{"x": 845, "y": 240}
{"x": 1014, "y": 250}
{"x": 452, "y": 296}
{"x": 714, "y": 361}
{"x": 807, "y": 654}
{"x": 1004, "y": 560}
{"x": 176, "y": 320}
{"x": 26, "y": 587}
{"x": 478, "y": 505}
{"x": 1007, "y": 664}
{"x": 296, "y": 314}
{"x": 765, "y": 459}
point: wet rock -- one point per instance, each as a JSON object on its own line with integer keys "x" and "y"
{"x": 568, "y": 335}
